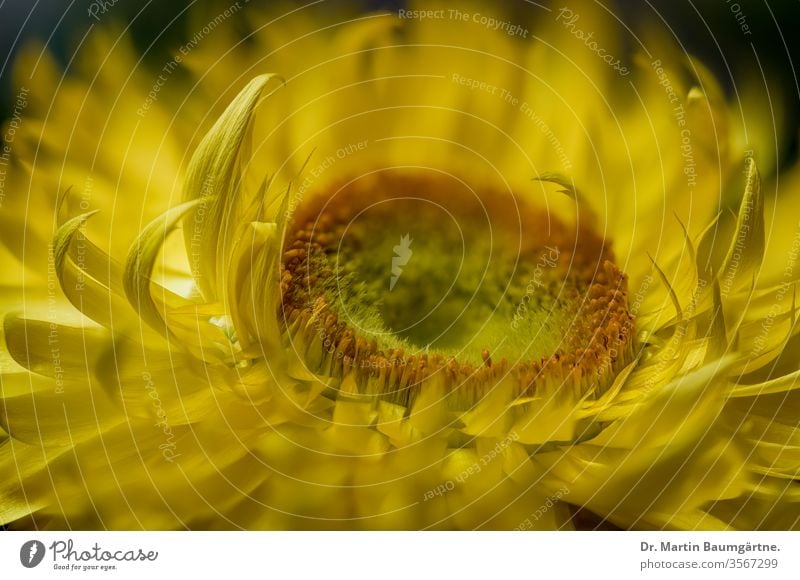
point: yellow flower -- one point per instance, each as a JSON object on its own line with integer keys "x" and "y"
{"x": 380, "y": 309}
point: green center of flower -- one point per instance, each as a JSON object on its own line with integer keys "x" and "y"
{"x": 392, "y": 271}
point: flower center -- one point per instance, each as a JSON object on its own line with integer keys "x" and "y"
{"x": 393, "y": 278}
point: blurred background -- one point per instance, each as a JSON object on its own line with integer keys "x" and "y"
{"x": 733, "y": 37}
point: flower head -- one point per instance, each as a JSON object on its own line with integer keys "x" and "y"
{"x": 395, "y": 271}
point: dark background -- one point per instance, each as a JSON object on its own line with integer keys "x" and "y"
{"x": 706, "y": 28}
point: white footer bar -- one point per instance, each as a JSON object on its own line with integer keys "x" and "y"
{"x": 401, "y": 555}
